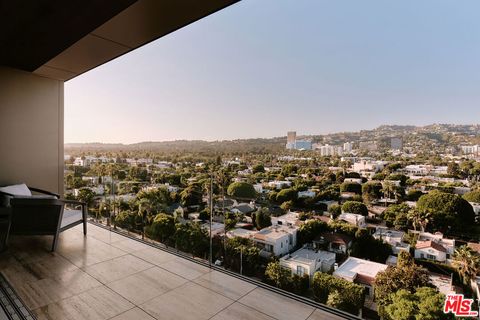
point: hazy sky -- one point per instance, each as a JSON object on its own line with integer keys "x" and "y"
{"x": 262, "y": 67}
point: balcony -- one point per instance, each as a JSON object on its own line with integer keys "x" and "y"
{"x": 106, "y": 275}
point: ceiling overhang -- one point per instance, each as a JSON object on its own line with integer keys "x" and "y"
{"x": 61, "y": 39}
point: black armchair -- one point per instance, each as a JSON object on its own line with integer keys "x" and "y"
{"x": 43, "y": 214}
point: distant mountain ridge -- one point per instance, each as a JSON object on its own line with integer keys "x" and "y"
{"x": 432, "y": 131}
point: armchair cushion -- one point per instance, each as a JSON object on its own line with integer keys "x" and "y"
{"x": 17, "y": 190}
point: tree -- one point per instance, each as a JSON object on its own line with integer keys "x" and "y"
{"x": 414, "y": 195}
{"x": 418, "y": 218}
{"x": 286, "y": 195}
{"x": 367, "y": 247}
{"x": 447, "y": 210}
{"x": 241, "y": 190}
{"x": 406, "y": 275}
{"x": 127, "y": 219}
{"x": 351, "y": 187}
{"x": 191, "y": 195}
{"x": 395, "y": 215}
{"x": 86, "y": 195}
{"x": 335, "y": 210}
{"x": 191, "y": 238}
{"x": 258, "y": 168}
{"x": 355, "y": 207}
{"x": 162, "y": 228}
{"x": 398, "y": 177}
{"x": 425, "y": 304}
{"x": 467, "y": 263}
{"x": 472, "y": 196}
{"x": 371, "y": 191}
{"x": 250, "y": 255}
{"x": 287, "y": 205}
{"x": 453, "y": 169}
{"x": 262, "y": 218}
{"x": 339, "y": 293}
{"x": 389, "y": 189}
{"x": 310, "y": 230}
{"x": 278, "y": 275}
{"x": 204, "y": 215}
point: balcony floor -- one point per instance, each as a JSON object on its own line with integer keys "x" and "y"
{"x": 109, "y": 276}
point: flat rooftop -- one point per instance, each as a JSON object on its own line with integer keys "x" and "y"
{"x": 108, "y": 276}
{"x": 353, "y": 266}
{"x": 308, "y": 255}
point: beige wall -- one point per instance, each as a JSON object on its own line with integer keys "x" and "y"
{"x": 31, "y": 130}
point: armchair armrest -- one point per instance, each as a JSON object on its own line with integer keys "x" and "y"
{"x": 75, "y": 202}
{"x": 3, "y": 193}
{"x": 44, "y": 192}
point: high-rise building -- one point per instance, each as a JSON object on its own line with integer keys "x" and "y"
{"x": 475, "y": 150}
{"x": 291, "y": 136}
{"x": 328, "y": 150}
{"x": 293, "y": 143}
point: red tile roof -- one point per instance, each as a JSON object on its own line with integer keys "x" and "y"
{"x": 336, "y": 238}
{"x": 430, "y": 244}
{"x": 474, "y": 246}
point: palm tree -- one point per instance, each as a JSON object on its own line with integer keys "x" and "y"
{"x": 418, "y": 218}
{"x": 388, "y": 188}
{"x": 467, "y": 263}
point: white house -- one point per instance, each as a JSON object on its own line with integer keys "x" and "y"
{"x": 279, "y": 184}
{"x": 276, "y": 240}
{"x": 242, "y": 233}
{"x": 353, "y": 218}
{"x": 307, "y": 261}
{"x": 360, "y": 271}
{"x": 288, "y": 219}
{"x": 353, "y": 180}
{"x": 434, "y": 247}
{"x": 306, "y": 194}
{"x": 98, "y": 190}
{"x": 368, "y": 165}
{"x": 258, "y": 188}
{"x": 393, "y": 237}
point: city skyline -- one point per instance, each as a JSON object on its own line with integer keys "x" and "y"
{"x": 245, "y": 73}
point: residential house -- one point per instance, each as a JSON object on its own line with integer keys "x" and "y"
{"x": 288, "y": 219}
{"x": 333, "y": 242}
{"x": 279, "y": 184}
{"x": 434, "y": 247}
{"x": 306, "y": 194}
{"x": 307, "y": 261}
{"x": 353, "y": 180}
{"x": 393, "y": 237}
{"x": 362, "y": 272}
{"x": 276, "y": 240}
{"x": 217, "y": 228}
{"x": 474, "y": 246}
{"x": 368, "y": 165}
{"x": 242, "y": 233}
{"x": 243, "y": 208}
{"x": 353, "y": 218}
